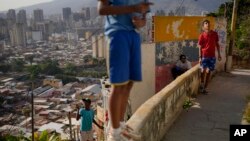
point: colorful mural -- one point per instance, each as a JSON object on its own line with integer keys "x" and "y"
{"x": 178, "y": 28}
{"x": 169, "y": 47}
{"x": 169, "y": 52}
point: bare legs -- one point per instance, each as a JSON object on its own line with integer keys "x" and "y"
{"x": 118, "y": 103}
{"x": 205, "y": 77}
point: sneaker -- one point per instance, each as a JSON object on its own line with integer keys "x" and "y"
{"x": 113, "y": 137}
{"x": 125, "y": 133}
{"x": 204, "y": 91}
{"x": 119, "y": 137}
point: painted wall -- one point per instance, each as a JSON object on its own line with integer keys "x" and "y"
{"x": 174, "y": 36}
{"x": 178, "y": 28}
{"x": 142, "y": 91}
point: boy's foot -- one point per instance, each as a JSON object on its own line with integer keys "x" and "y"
{"x": 201, "y": 87}
{"x": 126, "y": 134}
{"x": 130, "y": 133}
{"x": 204, "y": 91}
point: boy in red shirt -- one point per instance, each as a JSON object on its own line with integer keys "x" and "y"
{"x": 208, "y": 42}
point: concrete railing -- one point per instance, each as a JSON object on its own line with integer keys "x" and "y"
{"x": 156, "y": 115}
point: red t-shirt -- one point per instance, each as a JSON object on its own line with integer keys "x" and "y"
{"x": 208, "y": 42}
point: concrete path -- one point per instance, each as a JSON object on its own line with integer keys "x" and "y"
{"x": 210, "y": 118}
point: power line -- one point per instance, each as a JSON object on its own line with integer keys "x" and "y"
{"x": 96, "y": 40}
{"x": 93, "y": 33}
{"x": 179, "y": 7}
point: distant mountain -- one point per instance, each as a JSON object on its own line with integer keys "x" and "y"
{"x": 192, "y": 6}
{"x": 55, "y": 7}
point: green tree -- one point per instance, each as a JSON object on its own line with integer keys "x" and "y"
{"x": 34, "y": 71}
{"x": 95, "y": 61}
{"x": 50, "y": 67}
{"x": 242, "y": 40}
{"x": 44, "y": 136}
{"x": 243, "y": 34}
{"x": 5, "y": 67}
{"x": 87, "y": 59}
{"x": 70, "y": 69}
{"x": 17, "y": 65}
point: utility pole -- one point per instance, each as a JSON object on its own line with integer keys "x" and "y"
{"x": 232, "y": 37}
{"x": 32, "y": 110}
{"x": 32, "y": 77}
{"x": 70, "y": 126}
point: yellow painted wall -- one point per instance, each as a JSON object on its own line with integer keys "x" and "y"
{"x": 175, "y": 28}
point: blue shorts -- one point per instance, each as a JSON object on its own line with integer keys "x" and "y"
{"x": 124, "y": 57}
{"x": 208, "y": 63}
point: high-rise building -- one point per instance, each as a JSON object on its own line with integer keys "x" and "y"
{"x": 38, "y": 15}
{"x": 86, "y": 12}
{"x": 11, "y": 15}
{"x": 66, "y": 13}
{"x": 93, "y": 12}
{"x": 98, "y": 46}
{"x": 21, "y": 17}
{"x": 101, "y": 46}
{"x": 1, "y": 47}
{"x": 2, "y": 15}
{"x": 87, "y": 16}
{"x": 18, "y": 35}
{"x": 3, "y": 29}
{"x": 94, "y": 46}
{"x": 47, "y": 28}
{"x": 78, "y": 16}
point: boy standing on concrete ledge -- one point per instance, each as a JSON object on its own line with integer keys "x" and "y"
{"x": 122, "y": 18}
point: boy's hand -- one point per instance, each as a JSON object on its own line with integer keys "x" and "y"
{"x": 139, "y": 22}
{"x": 142, "y": 7}
{"x": 77, "y": 107}
{"x": 219, "y": 57}
{"x": 200, "y": 61}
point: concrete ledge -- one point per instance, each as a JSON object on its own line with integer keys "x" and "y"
{"x": 246, "y": 111}
{"x": 156, "y": 115}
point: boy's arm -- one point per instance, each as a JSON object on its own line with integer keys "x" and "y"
{"x": 218, "y": 48}
{"x": 93, "y": 116}
{"x": 78, "y": 114}
{"x": 200, "y": 48}
{"x": 105, "y": 9}
{"x": 101, "y": 127}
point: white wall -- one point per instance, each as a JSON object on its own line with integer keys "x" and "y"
{"x": 142, "y": 91}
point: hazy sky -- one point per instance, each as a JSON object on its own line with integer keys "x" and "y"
{"x": 8, "y": 4}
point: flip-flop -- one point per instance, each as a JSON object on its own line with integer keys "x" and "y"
{"x": 130, "y": 134}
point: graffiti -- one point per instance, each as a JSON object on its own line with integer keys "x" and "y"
{"x": 221, "y": 28}
{"x": 222, "y": 36}
{"x": 180, "y": 38}
{"x": 169, "y": 52}
{"x": 167, "y": 29}
{"x": 176, "y": 30}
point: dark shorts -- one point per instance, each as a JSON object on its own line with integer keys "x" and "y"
{"x": 208, "y": 63}
{"x": 124, "y": 57}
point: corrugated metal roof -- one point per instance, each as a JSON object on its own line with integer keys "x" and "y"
{"x": 96, "y": 89}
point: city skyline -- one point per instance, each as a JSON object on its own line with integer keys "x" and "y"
{"x": 13, "y": 4}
